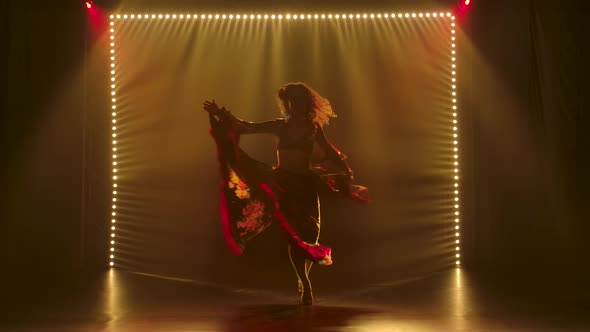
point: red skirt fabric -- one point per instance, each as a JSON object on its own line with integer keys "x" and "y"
{"x": 253, "y": 195}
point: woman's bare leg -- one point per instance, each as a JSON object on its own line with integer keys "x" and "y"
{"x": 301, "y": 269}
{"x": 308, "y": 265}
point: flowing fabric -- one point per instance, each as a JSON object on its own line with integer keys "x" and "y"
{"x": 253, "y": 195}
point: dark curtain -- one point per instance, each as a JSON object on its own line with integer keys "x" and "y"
{"x": 529, "y": 141}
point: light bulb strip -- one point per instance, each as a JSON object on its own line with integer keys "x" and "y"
{"x": 280, "y": 16}
{"x": 455, "y": 141}
{"x": 114, "y": 110}
{"x": 291, "y": 17}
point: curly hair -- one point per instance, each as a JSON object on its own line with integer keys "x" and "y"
{"x": 299, "y": 97}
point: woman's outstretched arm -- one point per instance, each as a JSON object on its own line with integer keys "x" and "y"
{"x": 245, "y": 127}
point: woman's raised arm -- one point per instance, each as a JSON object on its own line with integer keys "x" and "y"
{"x": 245, "y": 127}
{"x": 266, "y": 127}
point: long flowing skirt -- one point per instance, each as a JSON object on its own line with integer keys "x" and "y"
{"x": 253, "y": 195}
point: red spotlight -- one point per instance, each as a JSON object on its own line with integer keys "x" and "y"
{"x": 467, "y": 2}
{"x": 89, "y": 4}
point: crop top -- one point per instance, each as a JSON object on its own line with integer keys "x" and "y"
{"x": 304, "y": 143}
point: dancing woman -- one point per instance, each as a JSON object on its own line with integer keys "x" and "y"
{"x": 254, "y": 194}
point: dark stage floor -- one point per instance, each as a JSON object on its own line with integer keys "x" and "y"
{"x": 448, "y": 301}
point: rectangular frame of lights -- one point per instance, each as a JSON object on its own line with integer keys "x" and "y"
{"x": 453, "y": 118}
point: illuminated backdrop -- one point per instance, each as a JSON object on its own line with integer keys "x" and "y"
{"x": 389, "y": 76}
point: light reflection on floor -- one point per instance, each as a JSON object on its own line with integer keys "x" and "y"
{"x": 124, "y": 301}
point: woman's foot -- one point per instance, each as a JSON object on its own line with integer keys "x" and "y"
{"x": 307, "y": 297}
{"x": 299, "y": 288}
